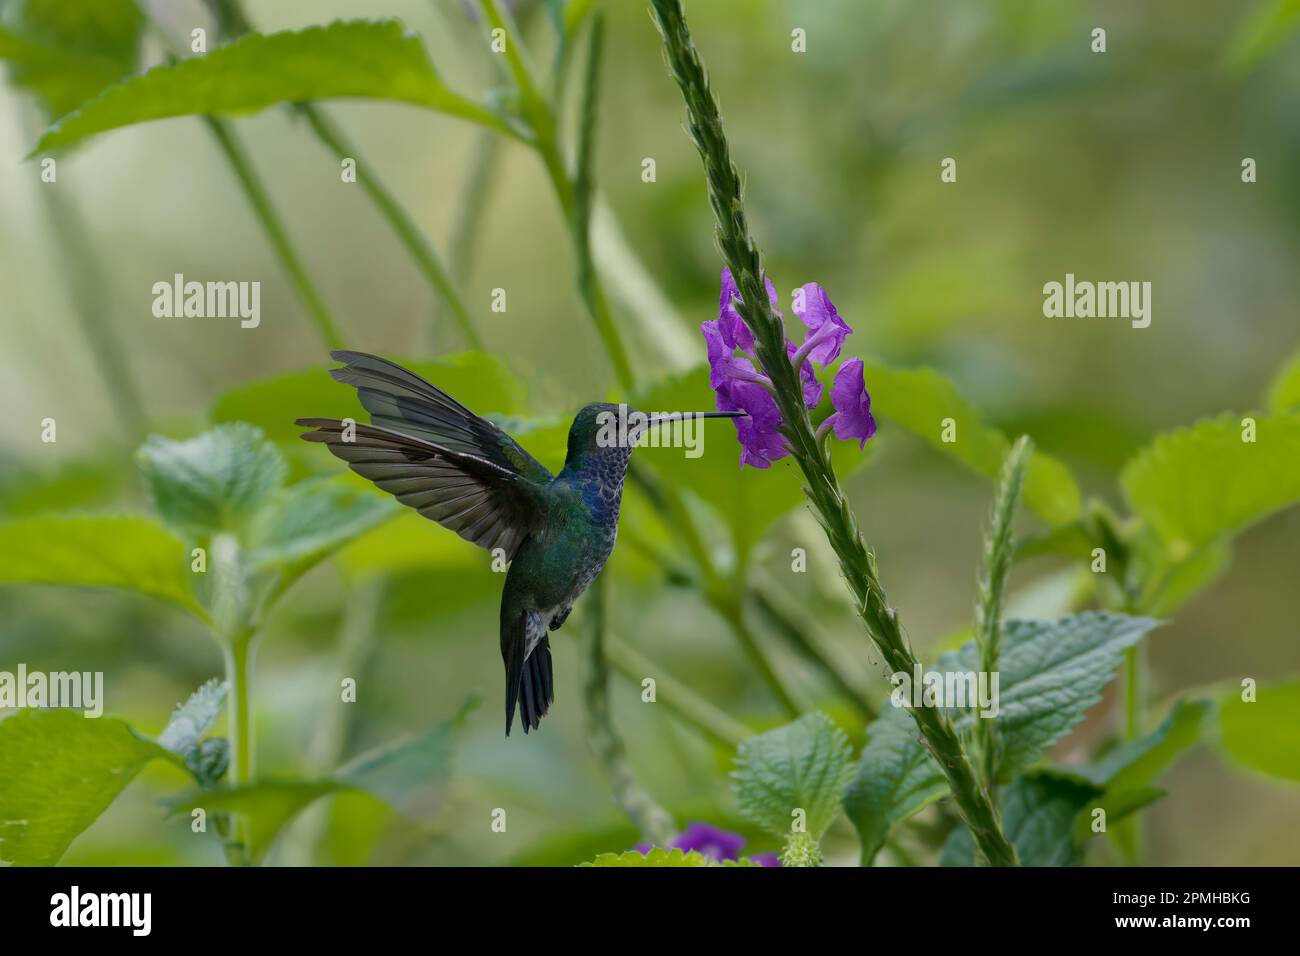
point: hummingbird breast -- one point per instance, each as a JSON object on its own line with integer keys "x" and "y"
{"x": 577, "y": 537}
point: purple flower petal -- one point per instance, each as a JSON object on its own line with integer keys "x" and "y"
{"x": 761, "y": 441}
{"x": 766, "y": 859}
{"x": 725, "y": 367}
{"x": 852, "y": 418}
{"x": 812, "y": 389}
{"x": 826, "y": 330}
{"x": 734, "y": 330}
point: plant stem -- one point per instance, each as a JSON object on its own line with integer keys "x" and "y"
{"x": 239, "y": 678}
{"x": 679, "y": 698}
{"x": 654, "y": 822}
{"x": 485, "y": 157}
{"x": 856, "y": 561}
{"x": 88, "y": 290}
{"x": 541, "y": 118}
{"x": 274, "y": 229}
{"x": 403, "y": 226}
{"x": 998, "y": 552}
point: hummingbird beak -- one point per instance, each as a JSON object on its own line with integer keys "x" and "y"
{"x": 665, "y": 417}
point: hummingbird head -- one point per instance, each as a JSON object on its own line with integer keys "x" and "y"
{"x": 604, "y": 430}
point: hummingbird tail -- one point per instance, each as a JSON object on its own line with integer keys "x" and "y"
{"x": 526, "y": 651}
{"x": 535, "y": 694}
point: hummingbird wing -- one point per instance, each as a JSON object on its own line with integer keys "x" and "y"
{"x": 482, "y": 501}
{"x": 398, "y": 399}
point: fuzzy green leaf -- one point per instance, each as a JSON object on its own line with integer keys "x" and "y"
{"x": 1264, "y": 735}
{"x": 1196, "y": 484}
{"x": 194, "y": 718}
{"x": 214, "y": 482}
{"x": 1051, "y": 673}
{"x": 1038, "y": 814}
{"x": 658, "y": 856}
{"x": 61, "y": 770}
{"x": 131, "y": 553}
{"x": 801, "y": 766}
{"x": 373, "y": 60}
{"x": 894, "y": 780}
{"x": 920, "y": 399}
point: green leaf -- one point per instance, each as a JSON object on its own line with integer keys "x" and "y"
{"x": 920, "y": 399}
{"x": 1284, "y": 393}
{"x": 1139, "y": 762}
{"x": 132, "y": 553}
{"x": 66, "y": 51}
{"x": 1195, "y": 484}
{"x": 269, "y": 806}
{"x": 801, "y": 766}
{"x": 194, "y": 718}
{"x": 658, "y": 856}
{"x": 1117, "y": 805}
{"x": 1038, "y": 814}
{"x": 214, "y": 482}
{"x": 61, "y": 770}
{"x": 1051, "y": 673}
{"x": 1264, "y": 735}
{"x": 894, "y": 780}
{"x": 372, "y": 60}
{"x": 479, "y": 381}
{"x": 305, "y": 522}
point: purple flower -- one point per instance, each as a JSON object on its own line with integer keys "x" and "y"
{"x": 761, "y": 441}
{"x": 852, "y": 417}
{"x": 812, "y": 388}
{"x": 715, "y": 844}
{"x": 826, "y": 330}
{"x": 735, "y": 332}
{"x": 741, "y": 384}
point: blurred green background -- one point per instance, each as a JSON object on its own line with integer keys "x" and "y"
{"x": 1122, "y": 166}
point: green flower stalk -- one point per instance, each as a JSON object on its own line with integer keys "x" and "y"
{"x": 829, "y": 505}
{"x": 998, "y": 552}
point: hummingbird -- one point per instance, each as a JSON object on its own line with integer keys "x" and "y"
{"x": 557, "y": 531}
